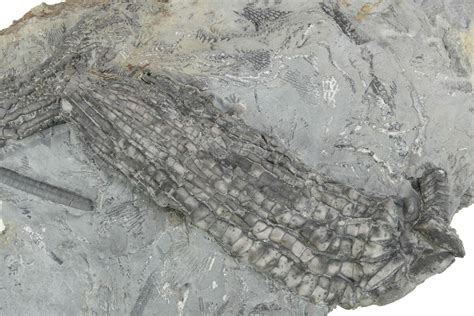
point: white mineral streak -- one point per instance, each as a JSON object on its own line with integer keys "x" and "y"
{"x": 182, "y": 303}
{"x": 212, "y": 263}
{"x": 330, "y": 89}
{"x": 2, "y": 225}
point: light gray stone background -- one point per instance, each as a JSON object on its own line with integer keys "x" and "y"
{"x": 368, "y": 115}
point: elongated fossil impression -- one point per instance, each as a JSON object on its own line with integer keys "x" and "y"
{"x": 44, "y": 190}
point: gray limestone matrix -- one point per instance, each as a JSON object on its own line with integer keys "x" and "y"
{"x": 167, "y": 130}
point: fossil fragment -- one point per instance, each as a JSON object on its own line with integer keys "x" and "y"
{"x": 44, "y": 190}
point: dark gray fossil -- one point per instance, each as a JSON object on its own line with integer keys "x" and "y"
{"x": 44, "y": 190}
{"x": 328, "y": 242}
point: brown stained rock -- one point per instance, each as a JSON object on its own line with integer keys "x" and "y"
{"x": 44, "y": 11}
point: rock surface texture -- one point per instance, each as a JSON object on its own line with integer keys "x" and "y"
{"x": 321, "y": 149}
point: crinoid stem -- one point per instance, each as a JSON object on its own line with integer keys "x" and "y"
{"x": 44, "y": 190}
